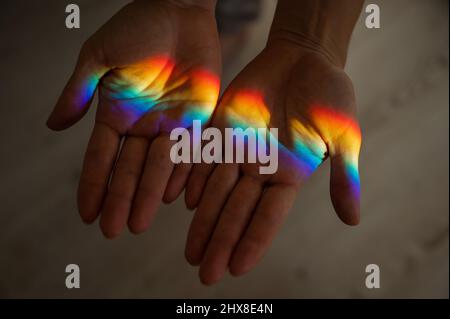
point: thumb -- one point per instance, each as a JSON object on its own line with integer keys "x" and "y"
{"x": 345, "y": 182}
{"x": 79, "y": 91}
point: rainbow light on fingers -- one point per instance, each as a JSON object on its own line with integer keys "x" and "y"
{"x": 343, "y": 136}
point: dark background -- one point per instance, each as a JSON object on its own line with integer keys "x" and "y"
{"x": 401, "y": 77}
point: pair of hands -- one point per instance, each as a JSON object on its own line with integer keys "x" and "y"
{"x": 156, "y": 65}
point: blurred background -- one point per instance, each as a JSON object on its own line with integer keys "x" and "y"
{"x": 401, "y": 77}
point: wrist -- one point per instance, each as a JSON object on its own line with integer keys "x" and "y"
{"x": 300, "y": 42}
{"x": 323, "y": 26}
{"x": 209, "y": 5}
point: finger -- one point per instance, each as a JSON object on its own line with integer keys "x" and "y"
{"x": 269, "y": 215}
{"x": 180, "y": 174}
{"x": 177, "y": 182}
{"x": 344, "y": 181}
{"x": 127, "y": 173}
{"x": 157, "y": 171}
{"x": 230, "y": 227}
{"x": 218, "y": 188}
{"x": 100, "y": 156}
{"x": 79, "y": 91}
{"x": 342, "y": 135}
{"x": 196, "y": 183}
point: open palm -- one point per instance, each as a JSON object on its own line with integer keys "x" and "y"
{"x": 156, "y": 66}
{"x": 239, "y": 211}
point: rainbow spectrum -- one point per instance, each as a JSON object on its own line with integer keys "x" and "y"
{"x": 321, "y": 131}
{"x": 157, "y": 85}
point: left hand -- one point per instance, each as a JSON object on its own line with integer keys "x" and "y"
{"x": 311, "y": 101}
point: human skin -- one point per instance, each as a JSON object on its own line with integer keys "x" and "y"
{"x": 298, "y": 85}
{"x": 156, "y": 65}
{"x": 166, "y": 54}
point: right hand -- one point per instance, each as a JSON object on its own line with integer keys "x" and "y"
{"x": 156, "y": 65}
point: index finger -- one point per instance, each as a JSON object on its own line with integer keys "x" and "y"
{"x": 269, "y": 215}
